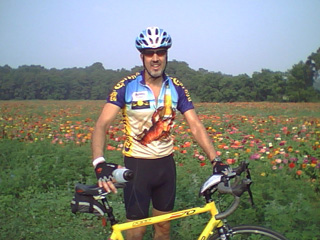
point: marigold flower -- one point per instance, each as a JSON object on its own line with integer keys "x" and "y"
{"x": 231, "y": 161}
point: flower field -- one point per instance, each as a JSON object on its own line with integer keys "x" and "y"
{"x": 280, "y": 140}
{"x": 284, "y": 135}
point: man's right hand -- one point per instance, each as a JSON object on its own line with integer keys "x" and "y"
{"x": 104, "y": 175}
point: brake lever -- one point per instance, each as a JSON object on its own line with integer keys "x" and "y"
{"x": 250, "y": 195}
{"x": 226, "y": 178}
{"x": 249, "y": 189}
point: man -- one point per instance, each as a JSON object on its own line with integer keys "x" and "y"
{"x": 149, "y": 101}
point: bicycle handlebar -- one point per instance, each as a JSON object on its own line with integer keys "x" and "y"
{"x": 239, "y": 187}
{"x": 236, "y": 191}
{"x": 221, "y": 183}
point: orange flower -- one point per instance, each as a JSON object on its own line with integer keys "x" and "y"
{"x": 222, "y": 145}
{"x": 110, "y": 148}
{"x": 231, "y": 161}
{"x": 187, "y": 144}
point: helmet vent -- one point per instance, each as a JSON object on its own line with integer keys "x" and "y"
{"x": 145, "y": 42}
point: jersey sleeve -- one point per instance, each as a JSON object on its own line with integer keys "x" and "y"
{"x": 184, "y": 98}
{"x": 117, "y": 95}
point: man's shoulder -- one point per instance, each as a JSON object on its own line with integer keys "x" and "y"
{"x": 175, "y": 81}
{"x": 132, "y": 77}
{"x": 124, "y": 81}
{"x": 180, "y": 88}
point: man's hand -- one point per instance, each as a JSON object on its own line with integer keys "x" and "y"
{"x": 104, "y": 175}
{"x": 219, "y": 167}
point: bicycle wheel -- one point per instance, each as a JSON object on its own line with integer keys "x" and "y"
{"x": 250, "y": 233}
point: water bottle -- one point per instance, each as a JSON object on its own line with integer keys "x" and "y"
{"x": 122, "y": 175}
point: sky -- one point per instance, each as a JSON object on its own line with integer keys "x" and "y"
{"x": 228, "y": 36}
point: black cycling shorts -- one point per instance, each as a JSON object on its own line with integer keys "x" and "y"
{"x": 154, "y": 181}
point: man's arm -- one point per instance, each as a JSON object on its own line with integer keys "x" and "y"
{"x": 200, "y": 134}
{"x": 108, "y": 114}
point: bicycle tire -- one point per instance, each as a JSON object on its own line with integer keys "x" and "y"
{"x": 250, "y": 232}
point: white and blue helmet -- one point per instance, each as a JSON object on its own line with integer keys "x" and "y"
{"x": 153, "y": 37}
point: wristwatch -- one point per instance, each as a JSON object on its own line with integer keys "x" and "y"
{"x": 216, "y": 159}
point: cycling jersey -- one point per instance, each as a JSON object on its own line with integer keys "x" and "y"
{"x": 148, "y": 122}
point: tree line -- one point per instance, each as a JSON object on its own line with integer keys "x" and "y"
{"x": 299, "y": 84}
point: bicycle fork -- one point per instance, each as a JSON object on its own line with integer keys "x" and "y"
{"x": 224, "y": 232}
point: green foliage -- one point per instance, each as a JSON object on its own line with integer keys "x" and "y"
{"x": 299, "y": 84}
{"x": 42, "y": 166}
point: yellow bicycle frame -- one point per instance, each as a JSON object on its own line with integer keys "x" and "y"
{"x": 209, "y": 207}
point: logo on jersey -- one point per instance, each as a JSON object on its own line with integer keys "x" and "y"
{"x": 113, "y": 96}
{"x": 186, "y": 92}
{"x": 139, "y": 100}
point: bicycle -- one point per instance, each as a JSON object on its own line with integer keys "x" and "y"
{"x": 216, "y": 228}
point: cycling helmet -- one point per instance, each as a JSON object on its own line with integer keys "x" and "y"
{"x": 153, "y": 37}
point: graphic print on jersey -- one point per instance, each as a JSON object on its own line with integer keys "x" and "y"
{"x": 162, "y": 121}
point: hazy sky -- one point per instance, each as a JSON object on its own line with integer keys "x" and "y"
{"x": 233, "y": 37}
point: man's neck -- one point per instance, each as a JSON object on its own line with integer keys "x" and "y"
{"x": 152, "y": 81}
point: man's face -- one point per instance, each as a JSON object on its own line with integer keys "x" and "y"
{"x": 154, "y": 61}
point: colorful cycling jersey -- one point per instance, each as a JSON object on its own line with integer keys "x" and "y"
{"x": 148, "y": 122}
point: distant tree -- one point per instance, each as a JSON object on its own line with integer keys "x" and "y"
{"x": 300, "y": 84}
{"x": 95, "y": 82}
{"x": 313, "y": 64}
{"x": 268, "y": 85}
